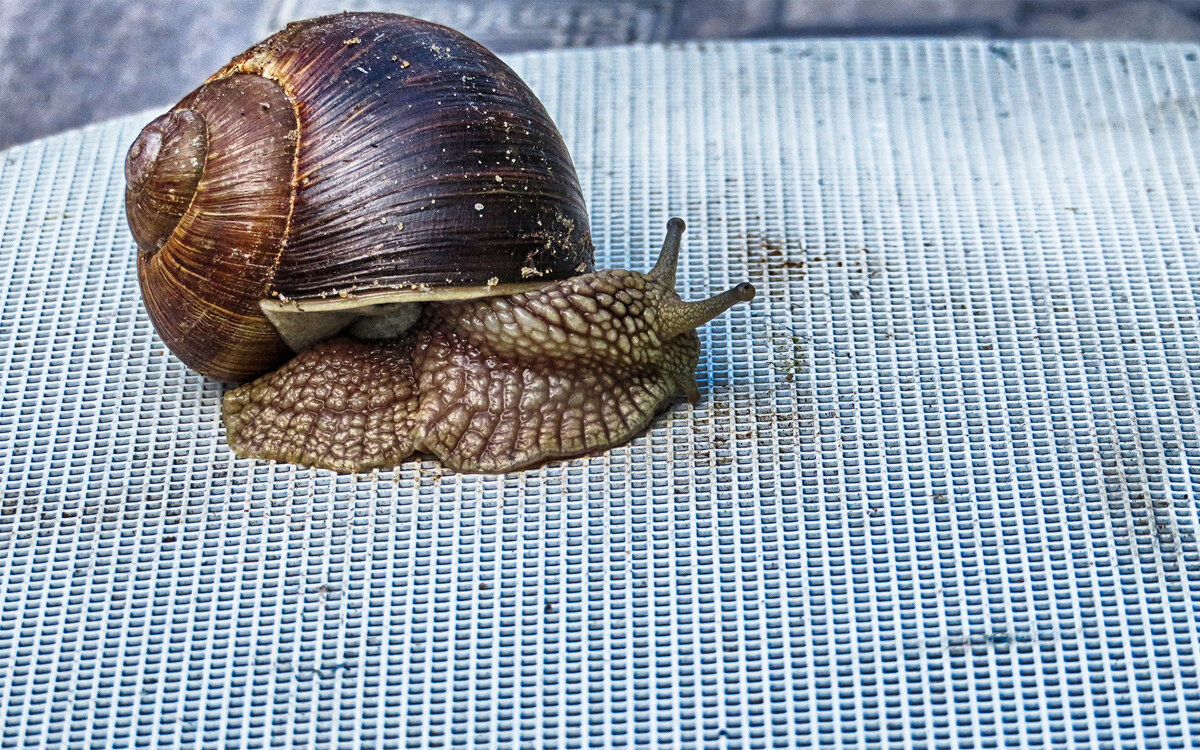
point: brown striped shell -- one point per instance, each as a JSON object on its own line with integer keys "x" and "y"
{"x": 346, "y": 162}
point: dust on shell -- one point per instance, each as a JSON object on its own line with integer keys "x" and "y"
{"x": 425, "y": 161}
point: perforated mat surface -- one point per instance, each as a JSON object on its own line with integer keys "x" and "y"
{"x": 940, "y": 491}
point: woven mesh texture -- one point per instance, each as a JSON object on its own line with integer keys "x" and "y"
{"x": 940, "y": 490}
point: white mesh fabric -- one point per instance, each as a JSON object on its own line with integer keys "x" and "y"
{"x": 940, "y": 490}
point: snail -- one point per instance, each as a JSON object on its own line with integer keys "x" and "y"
{"x": 375, "y": 222}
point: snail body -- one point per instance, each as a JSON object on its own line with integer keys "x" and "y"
{"x": 385, "y": 201}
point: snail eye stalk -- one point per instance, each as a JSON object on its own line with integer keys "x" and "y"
{"x": 679, "y": 316}
{"x": 668, "y": 258}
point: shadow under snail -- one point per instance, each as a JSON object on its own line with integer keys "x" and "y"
{"x": 385, "y": 203}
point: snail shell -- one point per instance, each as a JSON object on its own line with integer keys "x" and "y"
{"x": 346, "y": 163}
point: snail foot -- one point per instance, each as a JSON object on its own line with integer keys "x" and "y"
{"x": 350, "y": 405}
{"x": 344, "y": 405}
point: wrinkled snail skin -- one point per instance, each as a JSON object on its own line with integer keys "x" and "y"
{"x": 488, "y": 385}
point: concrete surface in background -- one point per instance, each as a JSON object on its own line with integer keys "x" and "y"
{"x": 65, "y": 63}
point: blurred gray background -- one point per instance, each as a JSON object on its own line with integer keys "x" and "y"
{"x": 65, "y": 63}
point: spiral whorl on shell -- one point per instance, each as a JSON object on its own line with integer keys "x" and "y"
{"x": 210, "y": 225}
{"x": 355, "y": 159}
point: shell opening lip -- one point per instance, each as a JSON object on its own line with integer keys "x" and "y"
{"x": 380, "y": 297}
